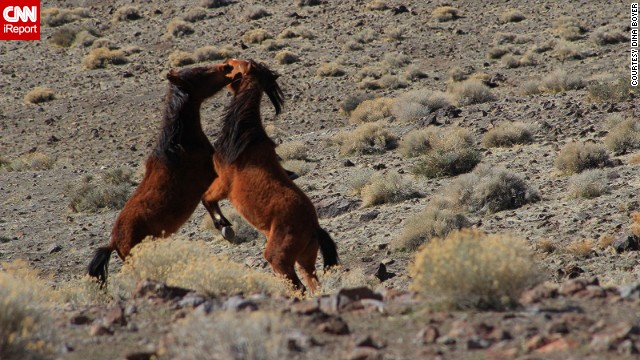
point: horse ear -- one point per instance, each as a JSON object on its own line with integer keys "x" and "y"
{"x": 173, "y": 77}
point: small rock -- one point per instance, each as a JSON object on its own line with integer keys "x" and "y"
{"x": 562, "y": 344}
{"x": 559, "y": 327}
{"x": 305, "y": 307}
{"x": 79, "y": 319}
{"x": 152, "y": 288}
{"x": 355, "y": 294}
{"x": 630, "y": 291}
{"x": 446, "y": 340}
{"x": 364, "y": 353}
{"x": 99, "y": 330}
{"x": 206, "y": 307}
{"x": 335, "y": 205}
{"x": 370, "y": 215}
{"x": 239, "y": 303}
{"x": 572, "y": 286}
{"x": 191, "y": 300}
{"x": 54, "y": 248}
{"x": 115, "y": 316}
{"x": 477, "y": 343}
{"x": 130, "y": 310}
{"x": 538, "y": 294}
{"x": 141, "y": 356}
{"x": 627, "y": 347}
{"x": 626, "y": 242}
{"x": 348, "y": 163}
{"x": 429, "y": 335}
{"x": 534, "y": 342}
{"x": 335, "y": 326}
{"x": 367, "y": 341}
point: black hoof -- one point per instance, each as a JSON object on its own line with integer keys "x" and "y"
{"x": 228, "y": 233}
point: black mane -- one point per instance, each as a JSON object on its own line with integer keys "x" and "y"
{"x": 242, "y": 125}
{"x": 169, "y": 144}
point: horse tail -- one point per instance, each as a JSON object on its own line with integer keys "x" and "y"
{"x": 99, "y": 266}
{"x": 328, "y": 248}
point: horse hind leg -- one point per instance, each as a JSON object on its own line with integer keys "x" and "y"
{"x": 282, "y": 262}
{"x": 307, "y": 262}
{"x": 220, "y": 222}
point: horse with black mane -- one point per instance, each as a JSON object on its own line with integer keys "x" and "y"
{"x": 251, "y": 177}
{"x": 178, "y": 172}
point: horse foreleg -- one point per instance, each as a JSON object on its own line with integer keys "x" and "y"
{"x": 210, "y": 201}
{"x": 282, "y": 261}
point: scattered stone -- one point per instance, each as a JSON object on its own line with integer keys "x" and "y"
{"x": 348, "y": 163}
{"x": 149, "y": 288}
{"x": 630, "y": 291}
{"x": 335, "y": 205}
{"x": 367, "y": 341}
{"x": 538, "y": 293}
{"x": 191, "y": 300}
{"x": 562, "y": 344}
{"x": 115, "y": 316}
{"x": 355, "y": 294}
{"x": 79, "y": 319}
{"x": 130, "y": 310}
{"x": 428, "y": 335}
{"x": 446, "y": 340}
{"x": 239, "y": 303}
{"x": 99, "y": 330}
{"x": 477, "y": 343}
{"x": 298, "y": 342}
{"x": 141, "y": 356}
{"x": 206, "y": 307}
{"x": 374, "y": 304}
{"x": 559, "y": 327}
{"x": 305, "y": 307}
{"x": 570, "y": 272}
{"x": 364, "y": 353}
{"x": 572, "y": 286}
{"x": 369, "y": 215}
{"x": 535, "y": 342}
{"x": 611, "y": 337}
{"x": 626, "y": 242}
{"x": 334, "y": 325}
{"x": 54, "y": 248}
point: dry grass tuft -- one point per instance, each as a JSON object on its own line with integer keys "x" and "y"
{"x": 25, "y": 331}
{"x": 473, "y": 270}
{"x": 127, "y": 13}
{"x": 296, "y": 32}
{"x": 510, "y": 62}
{"x": 508, "y": 134}
{"x": 565, "y": 50}
{"x": 588, "y": 184}
{"x": 511, "y": 16}
{"x": 243, "y": 230}
{"x": 389, "y": 188}
{"x": 329, "y": 69}
{"x": 546, "y": 246}
{"x": 450, "y": 151}
{"x": 337, "y": 278}
{"x": 286, "y": 57}
{"x": 294, "y": 150}
{"x": 368, "y": 138}
{"x": 612, "y": 91}
{"x": 238, "y": 335}
{"x": 36, "y": 161}
{"x": 256, "y": 36}
{"x": 111, "y": 192}
{"x": 366, "y": 36}
{"x": 351, "y": 102}
{"x": 181, "y": 58}
{"x": 608, "y": 36}
{"x": 488, "y": 190}
{"x": 569, "y": 28}
{"x": 378, "y": 5}
{"x": 212, "y": 4}
{"x": 438, "y": 219}
{"x": 581, "y": 249}
{"x": 299, "y": 167}
{"x": 256, "y": 12}
{"x": 559, "y": 81}
{"x": 64, "y": 37}
{"x": 396, "y": 60}
{"x": 179, "y": 28}
{"x": 445, "y": 13}
{"x": 195, "y": 14}
{"x": 498, "y": 52}
{"x": 210, "y": 53}
{"x": 623, "y": 136}
{"x": 415, "y": 143}
{"x": 576, "y": 157}
{"x": 39, "y": 94}
{"x": 189, "y": 264}
{"x": 470, "y": 92}
{"x": 54, "y": 17}
{"x": 100, "y": 57}
{"x": 372, "y": 110}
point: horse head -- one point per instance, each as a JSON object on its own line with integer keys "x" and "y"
{"x": 201, "y": 81}
{"x": 246, "y": 71}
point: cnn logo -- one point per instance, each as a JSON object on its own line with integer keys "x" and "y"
{"x": 20, "y": 20}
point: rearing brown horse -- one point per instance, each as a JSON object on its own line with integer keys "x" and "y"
{"x": 178, "y": 172}
{"x": 251, "y": 177}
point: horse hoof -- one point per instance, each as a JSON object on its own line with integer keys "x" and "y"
{"x": 228, "y": 233}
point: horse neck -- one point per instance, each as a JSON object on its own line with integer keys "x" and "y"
{"x": 248, "y": 97}
{"x": 182, "y": 112}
